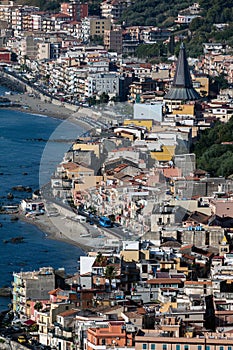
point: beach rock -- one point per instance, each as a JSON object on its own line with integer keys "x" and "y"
{"x": 28, "y": 189}
{"x": 14, "y": 240}
{"x": 21, "y": 188}
{"x": 18, "y": 188}
{"x": 5, "y": 292}
{"x": 14, "y": 218}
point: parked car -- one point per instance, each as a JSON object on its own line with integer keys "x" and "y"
{"x": 105, "y": 222}
{"x": 22, "y": 339}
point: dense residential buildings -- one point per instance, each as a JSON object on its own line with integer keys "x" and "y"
{"x": 159, "y": 274}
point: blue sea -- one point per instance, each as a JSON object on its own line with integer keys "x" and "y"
{"x": 26, "y": 158}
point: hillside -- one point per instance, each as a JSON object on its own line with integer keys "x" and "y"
{"x": 214, "y": 150}
{"x": 202, "y": 29}
{"x": 154, "y": 12}
{"x": 162, "y": 13}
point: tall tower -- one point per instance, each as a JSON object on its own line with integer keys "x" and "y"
{"x": 182, "y": 88}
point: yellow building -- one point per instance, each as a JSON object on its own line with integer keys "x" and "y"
{"x": 135, "y": 255}
{"x": 99, "y": 25}
{"x": 76, "y": 171}
{"x": 187, "y": 109}
{"x": 139, "y": 122}
{"x": 201, "y": 85}
{"x": 95, "y": 147}
{"x": 86, "y": 182}
{"x": 165, "y": 154}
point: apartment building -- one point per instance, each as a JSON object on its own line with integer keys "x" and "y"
{"x": 6, "y": 9}
{"x": 21, "y": 17}
{"x": 100, "y": 83}
{"x": 28, "y": 46}
{"x": 94, "y": 26}
{"x": 113, "y": 40}
{"x": 44, "y": 51}
{"x": 99, "y": 25}
{"x": 36, "y": 22}
{"x": 113, "y": 8}
{"x": 152, "y": 340}
{"x": 75, "y": 10}
{"x": 114, "y": 334}
{"x": 31, "y": 285}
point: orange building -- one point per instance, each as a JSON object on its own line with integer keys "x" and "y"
{"x": 115, "y": 334}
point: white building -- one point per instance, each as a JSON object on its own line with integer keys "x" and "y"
{"x": 96, "y": 84}
{"x": 35, "y": 206}
{"x": 149, "y": 111}
{"x": 185, "y": 19}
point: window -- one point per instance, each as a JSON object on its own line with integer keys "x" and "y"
{"x": 164, "y": 346}
{"x": 221, "y": 347}
{"x": 207, "y": 347}
{"x": 144, "y": 346}
{"x": 177, "y": 347}
{"x": 199, "y": 347}
{"x": 229, "y": 348}
{"x": 186, "y": 347}
{"x": 152, "y": 347}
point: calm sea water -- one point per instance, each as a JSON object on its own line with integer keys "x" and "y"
{"x": 27, "y": 159}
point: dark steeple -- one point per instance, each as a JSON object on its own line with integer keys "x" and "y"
{"x": 182, "y": 87}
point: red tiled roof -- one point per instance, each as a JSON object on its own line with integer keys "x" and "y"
{"x": 61, "y": 15}
{"x": 68, "y": 313}
{"x": 55, "y": 291}
{"x": 189, "y": 246}
{"x": 120, "y": 167}
{"x": 172, "y": 172}
{"x": 164, "y": 281}
{"x": 209, "y": 283}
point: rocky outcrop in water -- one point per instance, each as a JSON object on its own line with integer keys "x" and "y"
{"x": 14, "y": 240}
{"x": 5, "y": 292}
{"x": 21, "y": 188}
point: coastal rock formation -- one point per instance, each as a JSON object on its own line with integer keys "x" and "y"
{"x": 21, "y": 188}
{"x": 14, "y": 240}
{"x": 10, "y": 196}
{"x": 5, "y": 292}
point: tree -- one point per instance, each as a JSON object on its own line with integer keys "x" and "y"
{"x": 104, "y": 98}
{"x": 196, "y": 24}
{"x": 221, "y": 81}
{"x": 110, "y": 274}
{"x": 212, "y": 154}
{"x": 38, "y": 306}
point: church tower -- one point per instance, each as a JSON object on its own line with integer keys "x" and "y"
{"x": 182, "y": 89}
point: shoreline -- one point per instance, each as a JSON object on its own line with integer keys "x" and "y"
{"x": 44, "y": 223}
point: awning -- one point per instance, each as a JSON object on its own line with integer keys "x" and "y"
{"x": 29, "y": 323}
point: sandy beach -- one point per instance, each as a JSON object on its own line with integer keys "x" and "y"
{"x": 45, "y": 224}
{"x": 34, "y": 105}
{"x": 67, "y": 229}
